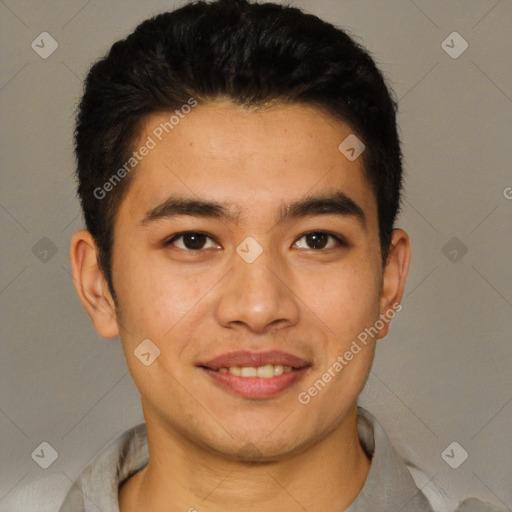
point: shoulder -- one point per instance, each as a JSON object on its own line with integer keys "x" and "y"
{"x": 98, "y": 483}
{"x": 474, "y": 505}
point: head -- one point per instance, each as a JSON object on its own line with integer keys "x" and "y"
{"x": 254, "y": 55}
{"x": 240, "y": 108}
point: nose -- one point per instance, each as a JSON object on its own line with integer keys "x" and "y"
{"x": 257, "y": 296}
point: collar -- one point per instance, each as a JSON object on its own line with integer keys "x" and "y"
{"x": 388, "y": 487}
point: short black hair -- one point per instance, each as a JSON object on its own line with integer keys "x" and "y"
{"x": 246, "y": 52}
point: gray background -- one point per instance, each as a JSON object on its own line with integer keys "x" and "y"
{"x": 442, "y": 375}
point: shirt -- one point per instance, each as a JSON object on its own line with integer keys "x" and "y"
{"x": 389, "y": 486}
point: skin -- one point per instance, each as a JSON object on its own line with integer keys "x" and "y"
{"x": 212, "y": 450}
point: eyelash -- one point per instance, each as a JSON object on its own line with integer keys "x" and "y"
{"x": 339, "y": 239}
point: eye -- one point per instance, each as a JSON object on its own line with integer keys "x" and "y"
{"x": 192, "y": 241}
{"x": 318, "y": 240}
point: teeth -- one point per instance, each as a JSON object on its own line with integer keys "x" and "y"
{"x": 264, "y": 372}
{"x": 248, "y": 372}
{"x": 278, "y": 369}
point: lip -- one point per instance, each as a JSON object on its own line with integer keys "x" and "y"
{"x": 255, "y": 359}
{"x": 255, "y": 387}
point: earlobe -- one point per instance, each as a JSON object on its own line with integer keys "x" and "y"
{"x": 91, "y": 285}
{"x": 395, "y": 275}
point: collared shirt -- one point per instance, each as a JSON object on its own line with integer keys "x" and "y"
{"x": 389, "y": 486}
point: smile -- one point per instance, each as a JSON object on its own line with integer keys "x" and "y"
{"x": 255, "y": 375}
{"x": 263, "y": 372}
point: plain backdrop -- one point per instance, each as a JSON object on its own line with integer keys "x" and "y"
{"x": 442, "y": 375}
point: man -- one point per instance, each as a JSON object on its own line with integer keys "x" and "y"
{"x": 240, "y": 172}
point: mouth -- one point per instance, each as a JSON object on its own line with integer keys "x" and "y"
{"x": 263, "y": 372}
{"x": 255, "y": 374}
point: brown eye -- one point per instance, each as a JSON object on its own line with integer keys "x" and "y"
{"x": 191, "y": 241}
{"x": 318, "y": 240}
{"x": 194, "y": 241}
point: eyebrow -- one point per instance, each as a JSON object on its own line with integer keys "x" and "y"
{"x": 331, "y": 204}
{"x": 328, "y": 204}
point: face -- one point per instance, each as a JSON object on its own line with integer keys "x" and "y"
{"x": 247, "y": 250}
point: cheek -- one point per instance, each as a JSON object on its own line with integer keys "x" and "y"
{"x": 149, "y": 299}
{"x": 348, "y": 303}
{"x": 156, "y": 301}
{"x": 346, "y": 298}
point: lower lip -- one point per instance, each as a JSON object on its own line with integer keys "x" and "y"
{"x": 256, "y": 387}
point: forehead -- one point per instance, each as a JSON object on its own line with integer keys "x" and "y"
{"x": 253, "y": 160}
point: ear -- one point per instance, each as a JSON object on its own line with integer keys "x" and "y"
{"x": 393, "y": 281}
{"x": 91, "y": 285}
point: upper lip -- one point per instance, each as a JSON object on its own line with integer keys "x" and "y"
{"x": 247, "y": 358}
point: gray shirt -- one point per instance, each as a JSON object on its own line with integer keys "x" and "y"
{"x": 389, "y": 486}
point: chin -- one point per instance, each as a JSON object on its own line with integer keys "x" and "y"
{"x": 253, "y": 447}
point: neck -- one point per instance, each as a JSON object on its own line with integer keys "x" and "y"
{"x": 187, "y": 477}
